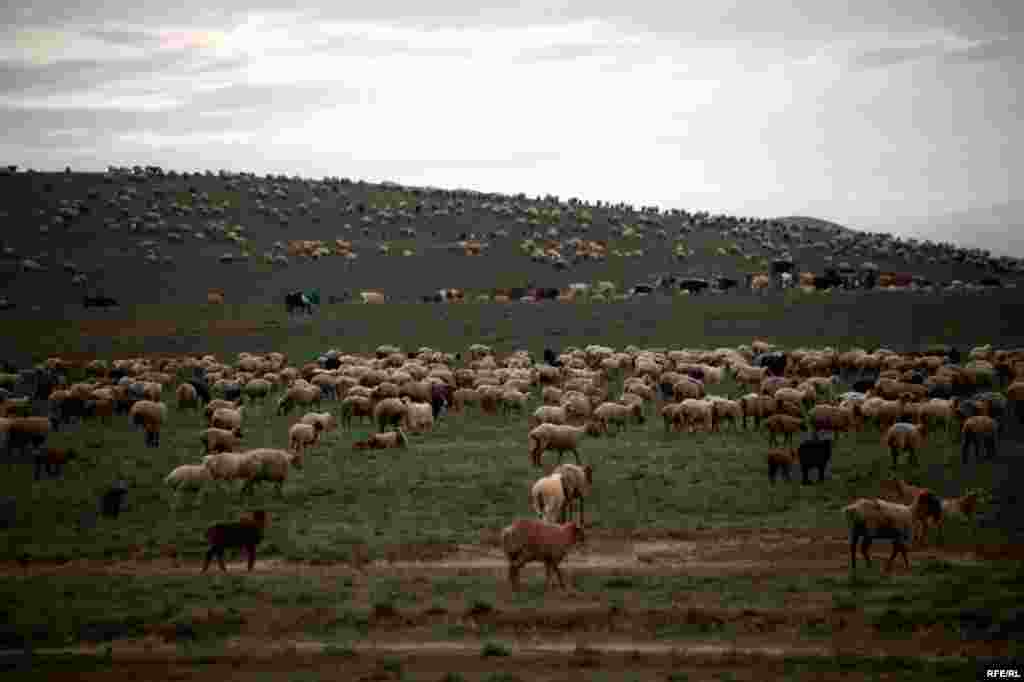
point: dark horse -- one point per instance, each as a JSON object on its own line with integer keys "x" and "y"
{"x": 297, "y": 300}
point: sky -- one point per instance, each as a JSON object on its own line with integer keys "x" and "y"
{"x": 902, "y": 120}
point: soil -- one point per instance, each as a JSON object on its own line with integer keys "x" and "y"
{"x": 570, "y": 634}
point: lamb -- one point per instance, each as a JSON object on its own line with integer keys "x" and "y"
{"x": 785, "y": 425}
{"x": 781, "y": 461}
{"x": 224, "y": 418}
{"x": 267, "y": 464}
{"x": 150, "y": 416}
{"x": 389, "y": 412}
{"x": 903, "y": 436}
{"x": 246, "y": 533}
{"x": 381, "y": 441}
{"x": 549, "y": 414}
{"x": 614, "y": 413}
{"x": 558, "y": 437}
{"x": 814, "y": 453}
{"x": 419, "y": 417}
{"x": 577, "y": 482}
{"x": 355, "y": 406}
{"x": 326, "y": 420}
{"x": 301, "y": 436}
{"x": 220, "y": 440}
{"x": 878, "y": 519}
{"x": 528, "y": 540}
{"x": 977, "y": 431}
{"x": 188, "y": 477}
{"x": 54, "y": 459}
{"x": 547, "y": 498}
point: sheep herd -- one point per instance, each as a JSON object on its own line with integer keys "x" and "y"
{"x": 908, "y": 398}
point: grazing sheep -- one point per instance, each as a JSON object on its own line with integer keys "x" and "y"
{"x": 355, "y": 406}
{"x": 188, "y": 477}
{"x": 220, "y": 440}
{"x": 326, "y": 420}
{"x": 54, "y": 459}
{"x": 225, "y": 418}
{"x": 781, "y": 461}
{"x": 785, "y": 425}
{"x": 528, "y": 540}
{"x": 814, "y": 453}
{"x": 267, "y": 464}
{"x": 547, "y": 498}
{"x": 614, "y": 413}
{"x": 977, "y": 431}
{"x": 577, "y": 482}
{"x": 877, "y": 519}
{"x": 382, "y": 441}
{"x": 150, "y": 415}
{"x": 558, "y": 437}
{"x": 246, "y": 533}
{"x": 301, "y": 394}
{"x": 389, "y": 412}
{"x": 903, "y": 436}
{"x": 549, "y": 414}
{"x": 301, "y": 436}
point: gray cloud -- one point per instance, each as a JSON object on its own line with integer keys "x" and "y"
{"x": 80, "y": 74}
{"x": 989, "y": 50}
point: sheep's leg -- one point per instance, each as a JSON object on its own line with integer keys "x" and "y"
{"x": 865, "y": 545}
{"x": 558, "y": 572}
{"x": 251, "y": 551}
{"x": 577, "y": 455}
{"x": 209, "y": 556}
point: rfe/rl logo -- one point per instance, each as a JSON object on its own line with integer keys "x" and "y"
{"x": 1005, "y": 674}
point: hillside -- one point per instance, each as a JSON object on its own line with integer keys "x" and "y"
{"x": 167, "y": 212}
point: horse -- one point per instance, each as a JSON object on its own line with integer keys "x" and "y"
{"x": 297, "y": 300}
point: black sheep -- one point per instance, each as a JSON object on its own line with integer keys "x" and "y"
{"x": 814, "y": 453}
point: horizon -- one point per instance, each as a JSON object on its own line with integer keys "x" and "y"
{"x": 905, "y": 123}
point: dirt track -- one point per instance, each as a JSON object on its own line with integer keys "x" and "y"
{"x": 580, "y": 629}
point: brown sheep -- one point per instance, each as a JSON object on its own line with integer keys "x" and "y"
{"x": 781, "y": 462}
{"x": 903, "y": 436}
{"x": 977, "y": 431}
{"x": 785, "y": 425}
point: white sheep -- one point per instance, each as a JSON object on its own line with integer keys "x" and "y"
{"x": 223, "y": 466}
{"x": 559, "y": 437}
{"x": 547, "y": 498}
{"x": 871, "y": 519}
{"x": 419, "y": 417}
{"x": 188, "y": 477}
{"x": 301, "y": 436}
{"x": 615, "y": 413}
{"x": 267, "y": 464}
{"x": 529, "y": 540}
{"x": 549, "y": 414}
{"x": 577, "y": 482}
{"x": 150, "y": 415}
{"x": 225, "y": 418}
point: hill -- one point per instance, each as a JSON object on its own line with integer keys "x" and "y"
{"x": 103, "y": 227}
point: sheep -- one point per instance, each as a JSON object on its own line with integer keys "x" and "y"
{"x": 381, "y": 441}
{"x": 223, "y": 466}
{"x": 217, "y": 404}
{"x": 419, "y": 417}
{"x": 671, "y": 413}
{"x": 725, "y": 409}
{"x": 907, "y": 494}
{"x": 962, "y": 508}
{"x": 693, "y": 411}
{"x": 814, "y": 453}
{"x": 558, "y": 437}
{"x": 187, "y": 396}
{"x": 785, "y": 425}
{"x": 151, "y": 416}
{"x": 878, "y": 519}
{"x": 833, "y": 419}
{"x": 220, "y": 440}
{"x": 326, "y": 420}
{"x": 54, "y": 459}
{"x": 549, "y": 414}
{"x": 528, "y": 540}
{"x": 389, "y": 412}
{"x": 23, "y": 431}
{"x": 977, "y": 431}
{"x": 577, "y": 482}
{"x": 301, "y": 436}
{"x": 300, "y": 394}
{"x": 225, "y": 418}
{"x": 355, "y": 406}
{"x": 188, "y": 477}
{"x": 246, "y": 533}
{"x": 1015, "y": 396}
{"x": 267, "y": 464}
{"x": 781, "y": 461}
{"x": 547, "y": 498}
{"x": 903, "y": 436}
{"x": 618, "y": 414}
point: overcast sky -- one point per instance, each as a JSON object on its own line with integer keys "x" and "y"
{"x": 873, "y": 117}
